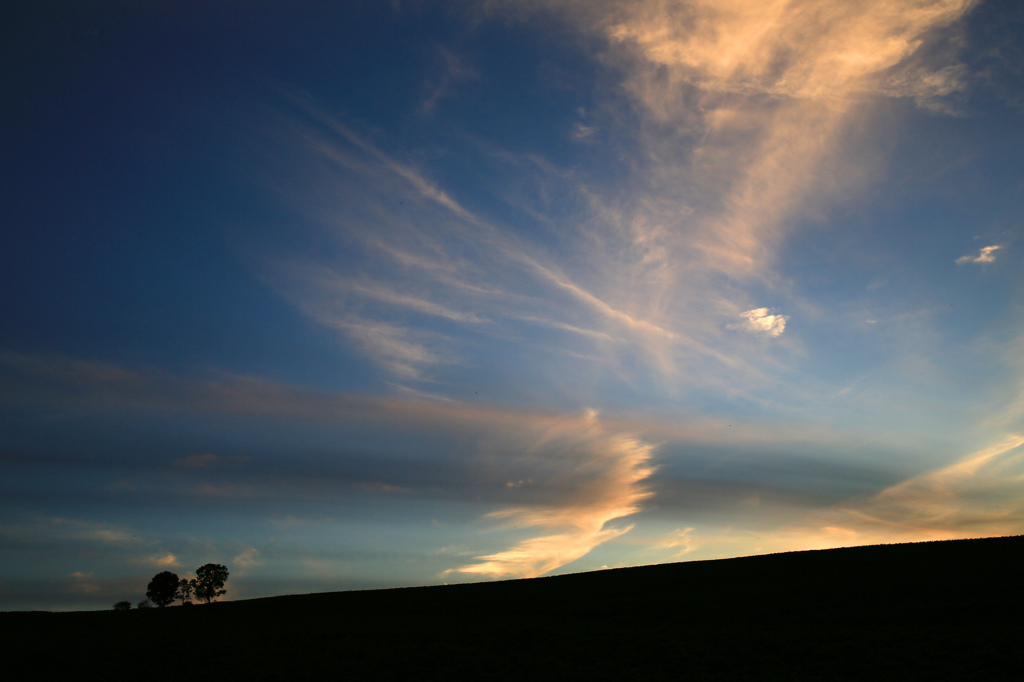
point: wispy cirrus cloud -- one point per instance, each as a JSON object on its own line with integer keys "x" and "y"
{"x": 680, "y": 541}
{"x": 768, "y": 90}
{"x": 742, "y": 121}
{"x": 977, "y": 496}
{"x": 751, "y": 118}
{"x": 455, "y": 69}
{"x": 423, "y": 253}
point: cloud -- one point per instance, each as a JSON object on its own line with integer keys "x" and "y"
{"x": 167, "y": 560}
{"x": 597, "y": 283}
{"x": 747, "y": 120}
{"x": 805, "y": 49}
{"x": 455, "y": 70}
{"x": 978, "y": 496}
{"x": 1007, "y": 411}
{"x": 982, "y": 494}
{"x": 606, "y": 484}
{"x": 681, "y": 538}
{"x": 422, "y": 255}
{"x": 771, "y": 89}
{"x": 196, "y": 461}
{"x": 89, "y": 530}
{"x": 60, "y": 381}
{"x": 84, "y": 583}
{"x": 395, "y": 347}
{"x": 764, "y": 321}
{"x": 225, "y": 491}
{"x": 246, "y": 560}
{"x": 986, "y": 255}
{"x": 582, "y": 132}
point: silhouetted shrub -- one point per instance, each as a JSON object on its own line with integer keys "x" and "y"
{"x": 122, "y": 606}
{"x": 144, "y": 604}
{"x": 162, "y": 588}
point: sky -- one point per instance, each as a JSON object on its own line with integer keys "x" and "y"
{"x": 376, "y": 294}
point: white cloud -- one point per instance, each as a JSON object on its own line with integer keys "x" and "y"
{"x": 986, "y": 255}
{"x": 394, "y": 347}
{"x": 764, "y": 321}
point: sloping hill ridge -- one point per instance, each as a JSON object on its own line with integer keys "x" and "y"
{"x": 936, "y": 610}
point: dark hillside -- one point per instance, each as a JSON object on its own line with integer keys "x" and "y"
{"x": 940, "y": 610}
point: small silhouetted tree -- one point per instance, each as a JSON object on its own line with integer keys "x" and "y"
{"x": 210, "y": 579}
{"x": 144, "y": 604}
{"x": 123, "y": 606}
{"x": 185, "y": 590}
{"x": 162, "y": 588}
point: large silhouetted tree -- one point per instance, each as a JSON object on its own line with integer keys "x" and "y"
{"x": 162, "y": 588}
{"x": 210, "y": 579}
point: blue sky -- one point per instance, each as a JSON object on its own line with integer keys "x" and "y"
{"x": 354, "y": 295}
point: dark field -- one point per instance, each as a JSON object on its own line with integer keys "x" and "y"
{"x": 939, "y": 610}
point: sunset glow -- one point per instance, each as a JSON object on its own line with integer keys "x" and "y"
{"x": 357, "y": 295}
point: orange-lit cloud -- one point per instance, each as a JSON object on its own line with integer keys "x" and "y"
{"x": 166, "y": 560}
{"x": 609, "y": 469}
{"x": 754, "y": 118}
{"x": 84, "y": 583}
{"x": 680, "y": 540}
{"x": 981, "y": 495}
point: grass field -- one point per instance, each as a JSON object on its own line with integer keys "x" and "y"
{"x": 938, "y": 610}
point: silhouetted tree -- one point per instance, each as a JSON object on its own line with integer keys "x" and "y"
{"x": 210, "y": 579}
{"x": 122, "y": 606}
{"x": 162, "y": 588}
{"x": 144, "y": 604}
{"x": 185, "y": 590}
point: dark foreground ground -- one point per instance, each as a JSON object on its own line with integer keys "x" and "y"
{"x": 940, "y": 610}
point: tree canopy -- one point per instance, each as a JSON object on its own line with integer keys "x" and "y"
{"x": 209, "y": 582}
{"x": 185, "y": 589}
{"x": 162, "y": 588}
